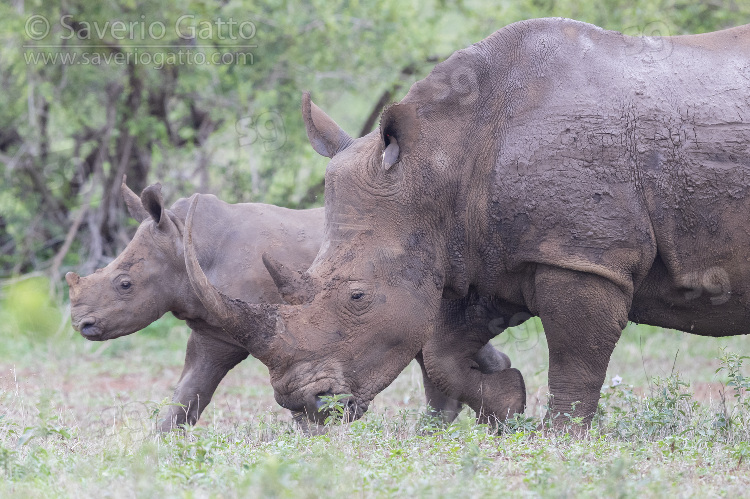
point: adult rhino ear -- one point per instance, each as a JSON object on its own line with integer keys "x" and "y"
{"x": 399, "y": 130}
{"x": 152, "y": 202}
{"x": 326, "y": 137}
{"x": 132, "y": 201}
{"x": 294, "y": 286}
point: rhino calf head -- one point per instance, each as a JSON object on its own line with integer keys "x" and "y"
{"x": 141, "y": 284}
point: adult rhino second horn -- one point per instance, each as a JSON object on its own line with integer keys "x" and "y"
{"x": 294, "y": 287}
{"x": 252, "y": 325}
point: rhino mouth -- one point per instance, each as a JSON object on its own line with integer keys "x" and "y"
{"x": 328, "y": 410}
{"x": 89, "y": 329}
{"x": 346, "y": 409}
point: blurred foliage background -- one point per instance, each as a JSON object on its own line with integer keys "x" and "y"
{"x": 204, "y": 96}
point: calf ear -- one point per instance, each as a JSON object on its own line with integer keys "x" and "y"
{"x": 399, "y": 130}
{"x": 326, "y": 137}
{"x": 153, "y": 203}
{"x": 133, "y": 202}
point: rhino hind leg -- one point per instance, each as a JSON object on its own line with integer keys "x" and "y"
{"x": 207, "y": 361}
{"x": 583, "y": 317}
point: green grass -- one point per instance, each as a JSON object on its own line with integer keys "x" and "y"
{"x": 76, "y": 420}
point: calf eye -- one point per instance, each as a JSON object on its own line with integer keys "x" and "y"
{"x": 357, "y": 295}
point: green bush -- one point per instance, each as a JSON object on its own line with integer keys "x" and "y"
{"x": 26, "y": 310}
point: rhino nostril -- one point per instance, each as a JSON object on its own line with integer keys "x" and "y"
{"x": 322, "y": 400}
{"x": 88, "y": 328}
{"x": 86, "y": 322}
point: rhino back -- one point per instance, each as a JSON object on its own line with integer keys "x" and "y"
{"x": 598, "y": 150}
{"x": 231, "y": 238}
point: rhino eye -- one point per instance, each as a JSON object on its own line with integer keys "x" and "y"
{"x": 357, "y": 295}
{"x": 125, "y": 284}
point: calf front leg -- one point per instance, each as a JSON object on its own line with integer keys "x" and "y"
{"x": 583, "y": 316}
{"x": 207, "y": 360}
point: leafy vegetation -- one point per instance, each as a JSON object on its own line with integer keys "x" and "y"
{"x": 77, "y": 419}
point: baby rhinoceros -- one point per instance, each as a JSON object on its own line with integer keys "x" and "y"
{"x": 149, "y": 278}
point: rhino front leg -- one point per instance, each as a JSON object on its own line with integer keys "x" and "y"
{"x": 439, "y": 405}
{"x": 207, "y": 361}
{"x": 461, "y": 364}
{"x": 489, "y": 360}
{"x": 583, "y": 316}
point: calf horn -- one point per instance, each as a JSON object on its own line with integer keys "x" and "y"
{"x": 252, "y": 325}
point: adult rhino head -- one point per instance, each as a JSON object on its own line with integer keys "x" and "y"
{"x": 371, "y": 299}
{"x": 126, "y": 295}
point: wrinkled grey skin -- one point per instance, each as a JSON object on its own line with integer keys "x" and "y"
{"x": 555, "y": 169}
{"x": 149, "y": 279}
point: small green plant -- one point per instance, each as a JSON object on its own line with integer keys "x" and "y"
{"x": 8, "y": 459}
{"x": 429, "y": 422}
{"x": 669, "y": 409}
{"x": 574, "y": 421}
{"x": 520, "y": 424}
{"x": 48, "y": 425}
{"x": 731, "y": 363}
{"x": 195, "y": 451}
{"x": 737, "y": 416}
{"x": 669, "y": 406}
{"x": 335, "y": 406}
{"x": 740, "y": 452}
{"x": 154, "y": 408}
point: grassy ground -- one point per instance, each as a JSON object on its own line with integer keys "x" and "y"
{"x": 76, "y": 420}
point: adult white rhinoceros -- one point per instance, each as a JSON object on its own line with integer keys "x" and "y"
{"x": 577, "y": 174}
